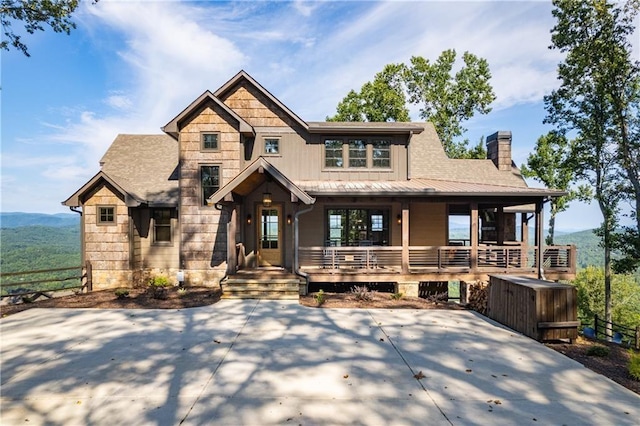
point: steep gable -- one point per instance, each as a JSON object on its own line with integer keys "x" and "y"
{"x": 255, "y": 104}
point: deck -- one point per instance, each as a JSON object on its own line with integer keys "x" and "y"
{"x": 433, "y": 263}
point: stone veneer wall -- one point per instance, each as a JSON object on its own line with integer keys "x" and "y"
{"x": 107, "y": 247}
{"x": 203, "y": 228}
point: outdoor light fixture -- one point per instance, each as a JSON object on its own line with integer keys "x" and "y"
{"x": 399, "y": 219}
{"x": 266, "y": 199}
{"x": 248, "y": 219}
{"x": 288, "y": 219}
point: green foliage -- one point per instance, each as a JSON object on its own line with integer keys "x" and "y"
{"x": 35, "y": 14}
{"x": 599, "y": 100}
{"x": 159, "y": 281}
{"x": 625, "y": 295}
{"x": 551, "y": 163}
{"x": 634, "y": 365}
{"x": 121, "y": 293}
{"x": 447, "y": 99}
{"x": 397, "y": 296}
{"x": 598, "y": 350}
{"x": 362, "y": 293}
{"x": 320, "y": 297}
{"x": 380, "y": 100}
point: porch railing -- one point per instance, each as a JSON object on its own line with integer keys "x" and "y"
{"x": 446, "y": 258}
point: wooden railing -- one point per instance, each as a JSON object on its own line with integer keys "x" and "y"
{"x": 40, "y": 282}
{"x": 437, "y": 258}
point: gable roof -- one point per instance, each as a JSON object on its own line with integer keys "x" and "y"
{"x": 172, "y": 128}
{"x": 143, "y": 168}
{"x": 254, "y": 175}
{"x": 228, "y": 87}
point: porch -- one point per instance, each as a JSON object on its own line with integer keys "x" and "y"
{"x": 433, "y": 263}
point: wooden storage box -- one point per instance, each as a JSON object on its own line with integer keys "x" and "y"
{"x": 539, "y": 309}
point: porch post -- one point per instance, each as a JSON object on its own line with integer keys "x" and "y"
{"x": 405, "y": 238}
{"x": 232, "y": 257}
{"x": 474, "y": 236}
{"x": 539, "y": 237}
{"x": 500, "y": 226}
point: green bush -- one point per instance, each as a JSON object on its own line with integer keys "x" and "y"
{"x": 159, "y": 281}
{"x": 634, "y": 365}
{"x": 320, "y": 297}
{"x": 598, "y": 350}
{"x": 397, "y": 296}
{"x": 121, "y": 293}
{"x": 182, "y": 292}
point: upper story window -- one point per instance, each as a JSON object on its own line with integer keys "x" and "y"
{"x": 272, "y": 146}
{"x": 106, "y": 215}
{"x": 381, "y": 153}
{"x": 209, "y": 181}
{"x": 162, "y": 225}
{"x": 210, "y": 141}
{"x": 333, "y": 153}
{"x": 357, "y": 153}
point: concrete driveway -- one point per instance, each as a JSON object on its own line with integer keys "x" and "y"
{"x": 269, "y": 362}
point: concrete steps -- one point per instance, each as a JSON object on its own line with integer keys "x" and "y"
{"x": 257, "y": 285}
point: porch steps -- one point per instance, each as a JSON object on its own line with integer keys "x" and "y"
{"x": 261, "y": 286}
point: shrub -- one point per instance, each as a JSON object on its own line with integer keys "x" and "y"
{"x": 121, "y": 293}
{"x": 397, "y": 296}
{"x": 634, "y": 365}
{"x": 320, "y": 297}
{"x": 598, "y": 350}
{"x": 362, "y": 293}
{"x": 182, "y": 292}
{"x": 158, "y": 287}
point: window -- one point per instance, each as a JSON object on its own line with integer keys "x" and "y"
{"x": 209, "y": 141}
{"x": 357, "y": 227}
{"x": 209, "y": 181}
{"x": 106, "y": 215}
{"x": 272, "y": 146}
{"x": 381, "y": 153}
{"x": 162, "y": 225}
{"x": 333, "y": 153}
{"x": 357, "y": 153}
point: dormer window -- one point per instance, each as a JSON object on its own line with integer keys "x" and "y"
{"x": 333, "y": 153}
{"x": 210, "y": 141}
{"x": 357, "y": 153}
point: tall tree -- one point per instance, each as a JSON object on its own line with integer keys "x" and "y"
{"x": 595, "y": 98}
{"x": 446, "y": 99}
{"x": 380, "y": 100}
{"x": 35, "y": 14}
{"x": 551, "y": 164}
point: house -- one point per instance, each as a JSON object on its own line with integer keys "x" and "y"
{"x": 239, "y": 187}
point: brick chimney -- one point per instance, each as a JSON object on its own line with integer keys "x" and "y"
{"x": 499, "y": 149}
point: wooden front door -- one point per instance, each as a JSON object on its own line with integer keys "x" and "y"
{"x": 270, "y": 236}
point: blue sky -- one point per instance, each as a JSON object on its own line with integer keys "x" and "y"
{"x": 130, "y": 67}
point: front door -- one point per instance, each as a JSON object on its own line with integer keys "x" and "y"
{"x": 270, "y": 236}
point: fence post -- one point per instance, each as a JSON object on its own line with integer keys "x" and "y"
{"x": 595, "y": 326}
{"x": 89, "y": 276}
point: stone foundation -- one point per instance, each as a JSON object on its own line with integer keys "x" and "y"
{"x": 408, "y": 289}
{"x": 108, "y": 279}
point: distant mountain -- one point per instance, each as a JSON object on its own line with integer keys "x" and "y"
{"x": 59, "y": 220}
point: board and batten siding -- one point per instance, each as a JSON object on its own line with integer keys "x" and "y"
{"x": 428, "y": 224}
{"x": 107, "y": 246}
{"x": 203, "y": 228}
{"x": 159, "y": 257}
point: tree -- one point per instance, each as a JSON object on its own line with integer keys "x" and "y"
{"x": 599, "y": 83}
{"x": 381, "y": 100}
{"x": 446, "y": 99}
{"x": 35, "y": 14}
{"x": 551, "y": 164}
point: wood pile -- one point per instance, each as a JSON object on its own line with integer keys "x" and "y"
{"x": 478, "y": 292}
